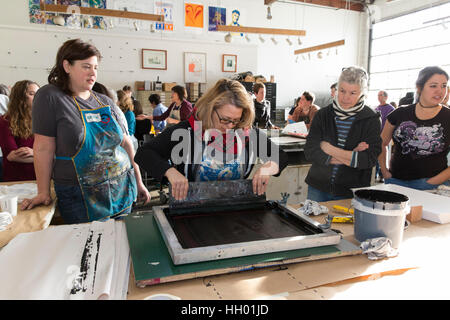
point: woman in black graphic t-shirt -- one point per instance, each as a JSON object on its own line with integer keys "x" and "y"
{"x": 421, "y": 135}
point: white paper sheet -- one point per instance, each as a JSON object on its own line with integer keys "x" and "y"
{"x": 297, "y": 128}
{"x": 81, "y": 261}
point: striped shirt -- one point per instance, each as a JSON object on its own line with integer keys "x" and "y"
{"x": 343, "y": 127}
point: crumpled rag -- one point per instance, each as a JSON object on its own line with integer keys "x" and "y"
{"x": 312, "y": 207}
{"x": 378, "y": 248}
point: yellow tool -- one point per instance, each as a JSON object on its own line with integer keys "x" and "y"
{"x": 343, "y": 209}
{"x": 343, "y": 219}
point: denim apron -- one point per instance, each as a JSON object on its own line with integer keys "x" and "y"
{"x": 103, "y": 167}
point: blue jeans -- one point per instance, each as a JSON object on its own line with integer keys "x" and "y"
{"x": 71, "y": 204}
{"x": 320, "y": 196}
{"x": 419, "y": 184}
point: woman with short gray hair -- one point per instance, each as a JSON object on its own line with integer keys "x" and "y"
{"x": 344, "y": 141}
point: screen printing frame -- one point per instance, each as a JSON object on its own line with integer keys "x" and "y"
{"x": 181, "y": 255}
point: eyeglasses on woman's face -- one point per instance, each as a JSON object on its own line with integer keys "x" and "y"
{"x": 227, "y": 121}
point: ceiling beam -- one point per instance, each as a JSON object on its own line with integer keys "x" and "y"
{"x": 338, "y": 4}
{"x": 285, "y": 32}
{"x": 100, "y": 12}
{"x": 321, "y": 47}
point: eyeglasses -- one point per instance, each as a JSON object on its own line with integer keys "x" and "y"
{"x": 227, "y": 121}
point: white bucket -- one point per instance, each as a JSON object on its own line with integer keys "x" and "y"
{"x": 380, "y": 213}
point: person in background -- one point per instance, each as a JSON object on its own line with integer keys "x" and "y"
{"x": 4, "y": 89}
{"x": 344, "y": 141}
{"x": 179, "y": 110}
{"x": 262, "y": 107}
{"x": 384, "y": 109}
{"x": 225, "y": 111}
{"x": 407, "y": 99}
{"x": 394, "y": 104}
{"x": 4, "y": 100}
{"x": 129, "y": 92}
{"x": 305, "y": 110}
{"x": 81, "y": 142}
{"x": 333, "y": 89}
{"x": 421, "y": 135}
{"x": 143, "y": 125}
{"x": 16, "y": 137}
{"x": 127, "y": 107}
{"x": 158, "y": 110}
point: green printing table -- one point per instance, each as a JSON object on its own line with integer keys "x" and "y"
{"x": 152, "y": 263}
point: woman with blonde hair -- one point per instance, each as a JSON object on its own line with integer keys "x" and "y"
{"x": 216, "y": 141}
{"x": 16, "y": 137}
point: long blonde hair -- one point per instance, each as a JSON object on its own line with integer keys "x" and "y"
{"x": 19, "y": 113}
{"x": 225, "y": 92}
{"x": 125, "y": 102}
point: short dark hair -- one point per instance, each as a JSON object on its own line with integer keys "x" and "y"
{"x": 154, "y": 98}
{"x": 126, "y": 88}
{"x": 334, "y": 86}
{"x": 309, "y": 96}
{"x": 71, "y": 50}
{"x": 257, "y": 86}
{"x": 180, "y": 91}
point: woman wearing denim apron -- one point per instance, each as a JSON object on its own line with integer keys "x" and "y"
{"x": 94, "y": 174}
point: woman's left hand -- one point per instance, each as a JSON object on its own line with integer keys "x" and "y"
{"x": 262, "y": 175}
{"x": 260, "y": 182}
{"x": 143, "y": 194}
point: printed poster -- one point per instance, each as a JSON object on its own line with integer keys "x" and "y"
{"x": 193, "y": 15}
{"x": 164, "y": 8}
{"x": 217, "y": 17}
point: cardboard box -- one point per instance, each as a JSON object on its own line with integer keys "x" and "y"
{"x": 139, "y": 85}
{"x": 167, "y": 86}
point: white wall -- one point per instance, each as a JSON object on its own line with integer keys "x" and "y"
{"x": 28, "y": 50}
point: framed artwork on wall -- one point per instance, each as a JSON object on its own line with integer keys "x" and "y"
{"x": 154, "y": 59}
{"x": 229, "y": 62}
{"x": 194, "y": 67}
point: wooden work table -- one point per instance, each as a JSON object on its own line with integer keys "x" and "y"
{"x": 35, "y": 219}
{"x": 420, "y": 271}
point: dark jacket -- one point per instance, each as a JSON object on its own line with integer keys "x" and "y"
{"x": 365, "y": 127}
{"x": 154, "y": 155}
{"x": 262, "y": 114}
{"x": 185, "y": 111}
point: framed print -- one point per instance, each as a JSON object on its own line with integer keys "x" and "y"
{"x": 193, "y": 15}
{"x": 154, "y": 59}
{"x": 229, "y": 62}
{"x": 194, "y": 67}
